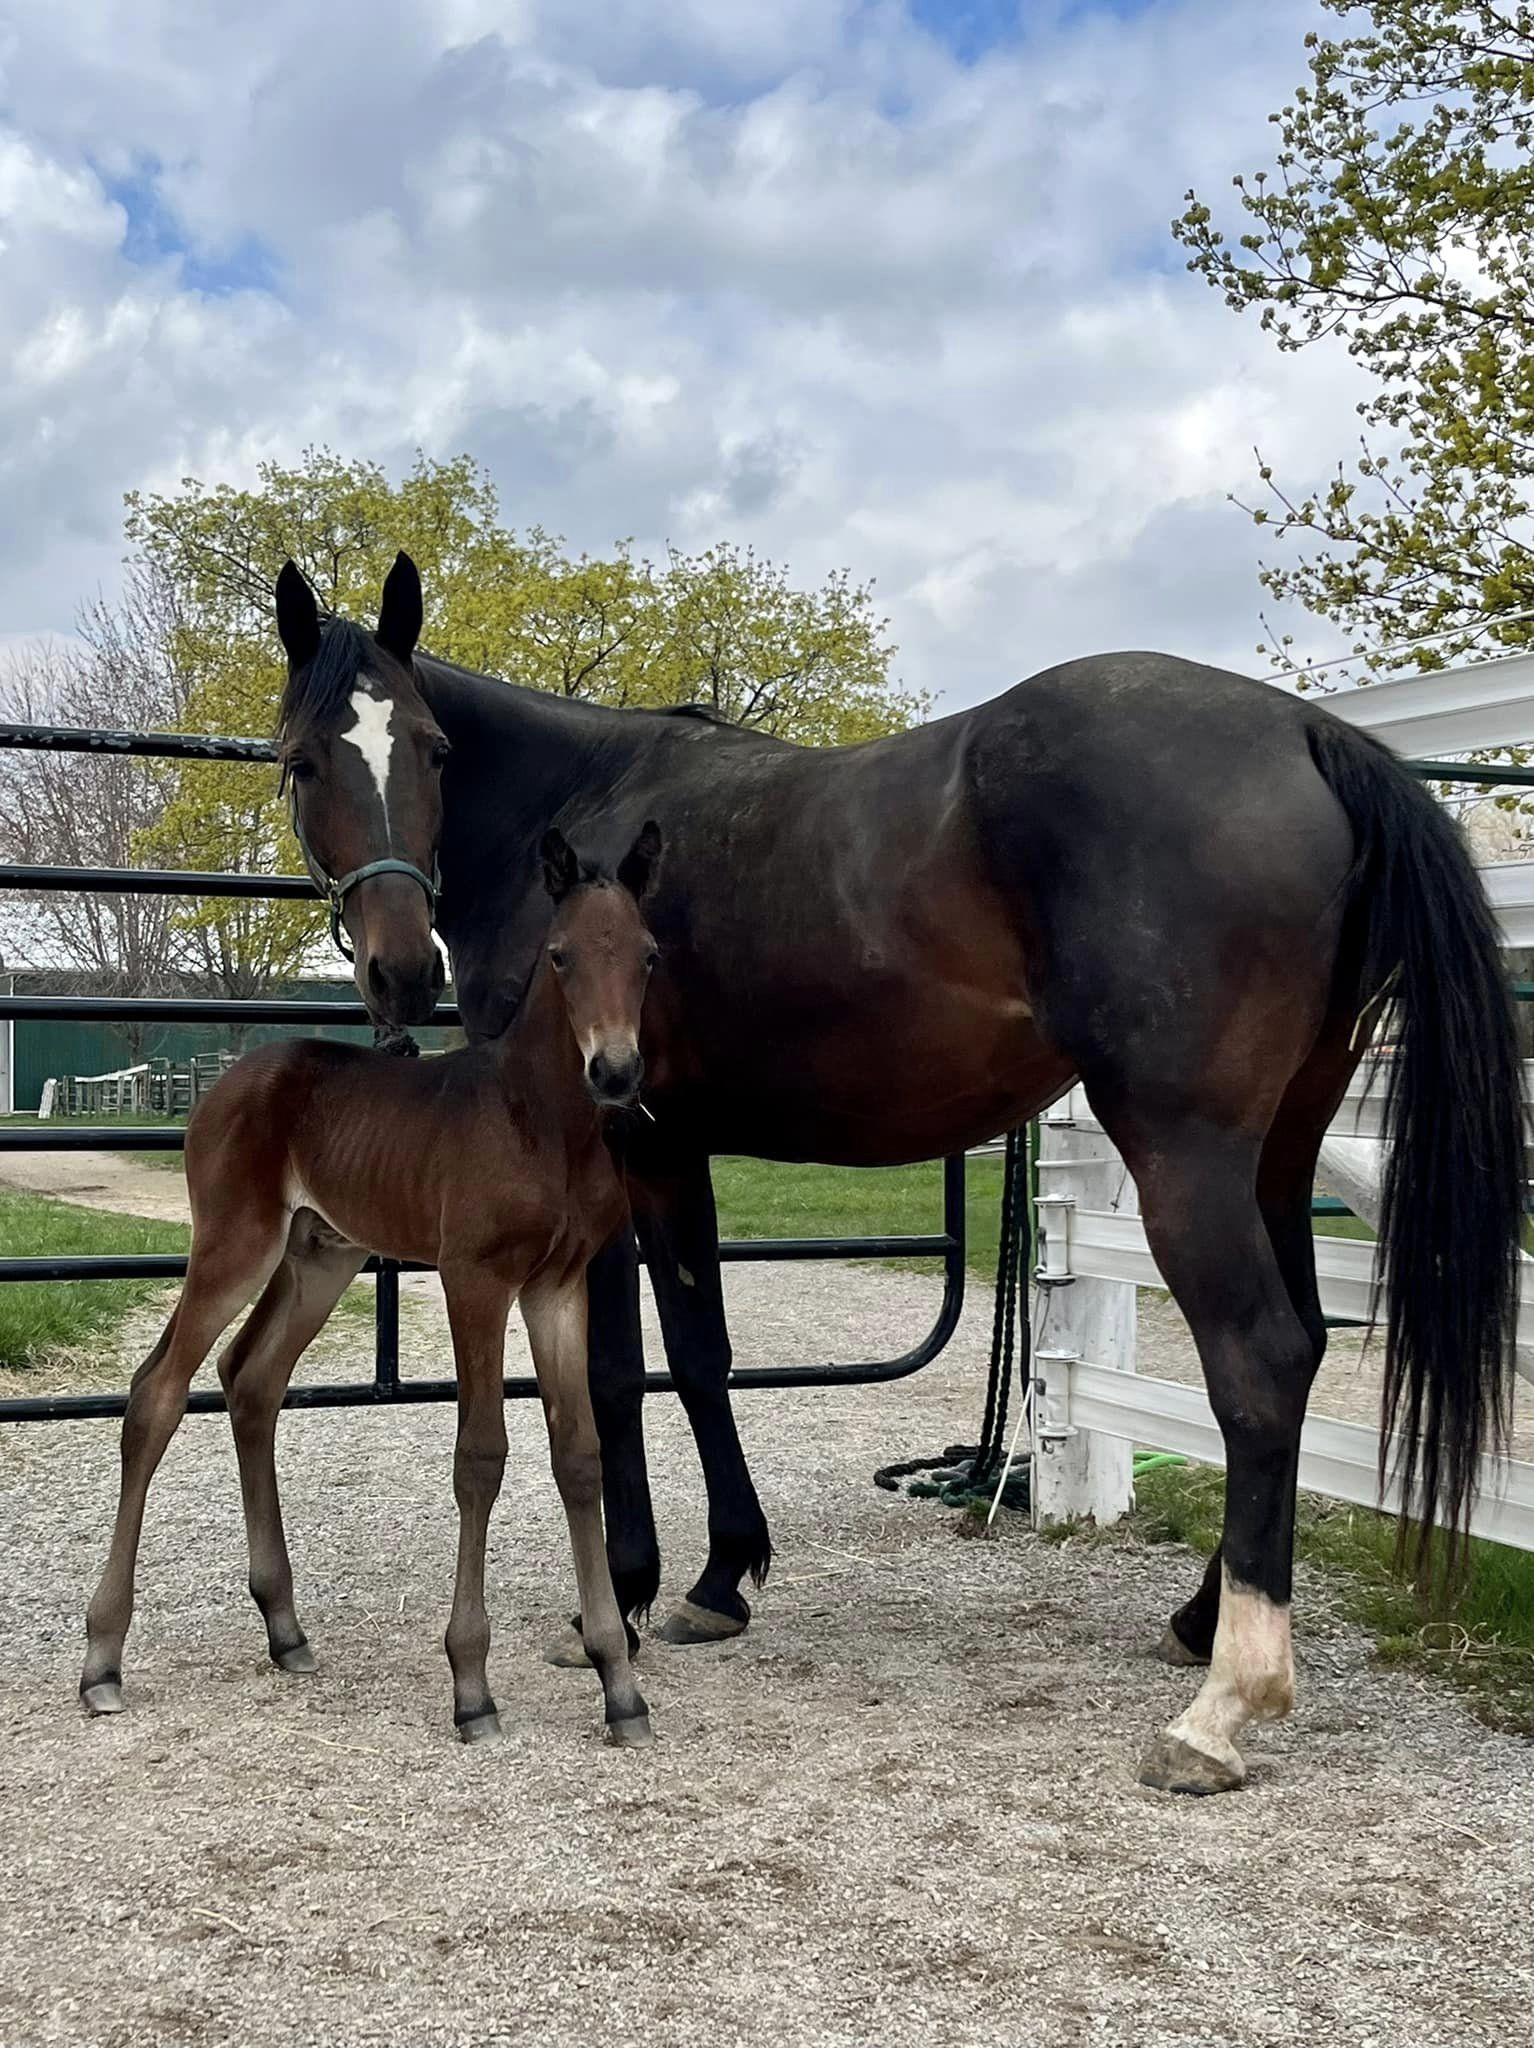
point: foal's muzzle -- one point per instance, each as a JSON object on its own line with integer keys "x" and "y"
{"x": 615, "y": 1078}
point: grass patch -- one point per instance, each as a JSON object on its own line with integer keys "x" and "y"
{"x": 39, "y": 1319}
{"x": 764, "y": 1198}
{"x": 1482, "y": 1642}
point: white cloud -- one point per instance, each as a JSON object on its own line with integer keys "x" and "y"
{"x": 793, "y": 275}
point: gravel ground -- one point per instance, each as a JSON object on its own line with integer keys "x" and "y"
{"x": 901, "y": 1809}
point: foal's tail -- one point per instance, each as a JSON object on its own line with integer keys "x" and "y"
{"x": 1451, "y": 1218}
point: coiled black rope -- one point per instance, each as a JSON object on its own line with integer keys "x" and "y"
{"x": 967, "y": 1472}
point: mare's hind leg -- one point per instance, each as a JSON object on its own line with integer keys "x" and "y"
{"x": 1285, "y": 1182}
{"x": 223, "y": 1273}
{"x": 1198, "y": 1193}
{"x": 317, "y": 1268}
{"x": 555, "y": 1315}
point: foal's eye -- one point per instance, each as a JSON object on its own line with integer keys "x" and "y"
{"x": 557, "y": 959}
{"x": 651, "y": 960}
{"x": 439, "y": 753}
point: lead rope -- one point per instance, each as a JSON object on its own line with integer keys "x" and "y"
{"x": 967, "y": 1473}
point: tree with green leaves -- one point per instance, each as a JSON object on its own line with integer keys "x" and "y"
{"x": 725, "y": 628}
{"x": 1398, "y": 221}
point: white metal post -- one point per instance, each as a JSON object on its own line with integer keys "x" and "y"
{"x": 1077, "y": 1473}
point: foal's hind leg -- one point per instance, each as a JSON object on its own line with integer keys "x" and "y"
{"x": 222, "y": 1275}
{"x": 315, "y": 1272}
{"x": 1198, "y": 1191}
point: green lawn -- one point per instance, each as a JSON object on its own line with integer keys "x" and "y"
{"x": 760, "y": 1198}
{"x": 39, "y": 1318}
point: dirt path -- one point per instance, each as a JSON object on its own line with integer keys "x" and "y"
{"x": 900, "y": 1810}
{"x": 99, "y": 1180}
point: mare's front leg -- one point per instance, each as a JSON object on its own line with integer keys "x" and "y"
{"x": 679, "y": 1235}
{"x": 555, "y": 1314}
{"x": 316, "y": 1270}
{"x": 478, "y": 1302}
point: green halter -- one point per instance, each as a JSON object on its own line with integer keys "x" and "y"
{"x": 336, "y": 892}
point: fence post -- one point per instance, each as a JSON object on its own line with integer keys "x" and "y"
{"x": 1075, "y": 1473}
{"x": 386, "y": 1332}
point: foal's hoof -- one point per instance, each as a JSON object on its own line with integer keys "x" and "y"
{"x": 568, "y": 1654}
{"x": 1173, "y": 1650}
{"x": 298, "y": 1658}
{"x": 688, "y": 1624}
{"x": 104, "y": 1697}
{"x": 481, "y": 1728}
{"x": 635, "y": 1733}
{"x": 1172, "y": 1765}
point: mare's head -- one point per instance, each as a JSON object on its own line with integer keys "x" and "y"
{"x": 362, "y": 757}
{"x": 601, "y": 951}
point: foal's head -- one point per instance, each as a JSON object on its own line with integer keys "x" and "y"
{"x": 363, "y": 757}
{"x": 602, "y": 954}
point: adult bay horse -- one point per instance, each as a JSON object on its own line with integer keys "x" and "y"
{"x": 1187, "y": 889}
{"x": 489, "y": 1163}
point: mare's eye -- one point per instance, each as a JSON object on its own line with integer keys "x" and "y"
{"x": 439, "y": 753}
{"x": 557, "y": 959}
{"x": 301, "y": 770}
{"x": 651, "y": 959}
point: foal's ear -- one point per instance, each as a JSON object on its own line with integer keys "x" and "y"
{"x": 636, "y": 870}
{"x": 561, "y": 867}
{"x": 298, "y": 616}
{"x": 399, "y": 615}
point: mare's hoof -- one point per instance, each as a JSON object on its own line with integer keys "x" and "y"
{"x": 568, "y": 1654}
{"x": 482, "y": 1728}
{"x": 1173, "y": 1650}
{"x": 635, "y": 1733}
{"x": 1172, "y": 1765}
{"x": 298, "y": 1658}
{"x": 104, "y": 1697}
{"x": 688, "y": 1624}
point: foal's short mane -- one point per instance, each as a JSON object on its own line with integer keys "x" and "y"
{"x": 322, "y": 686}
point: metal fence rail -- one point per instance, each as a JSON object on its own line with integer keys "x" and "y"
{"x": 387, "y": 1385}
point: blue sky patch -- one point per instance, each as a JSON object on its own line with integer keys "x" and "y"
{"x": 155, "y": 235}
{"x": 972, "y": 27}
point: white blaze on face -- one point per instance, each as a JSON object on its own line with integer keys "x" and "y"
{"x": 369, "y": 733}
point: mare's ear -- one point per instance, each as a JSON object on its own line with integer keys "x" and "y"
{"x": 399, "y": 615}
{"x": 298, "y": 616}
{"x": 637, "y": 869}
{"x": 561, "y": 869}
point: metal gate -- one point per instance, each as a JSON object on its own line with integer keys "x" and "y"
{"x": 387, "y": 1384}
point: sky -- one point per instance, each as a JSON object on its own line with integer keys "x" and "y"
{"x": 877, "y": 284}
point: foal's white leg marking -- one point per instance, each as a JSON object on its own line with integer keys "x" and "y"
{"x": 1251, "y": 1675}
{"x": 370, "y": 735}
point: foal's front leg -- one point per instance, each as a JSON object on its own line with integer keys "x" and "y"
{"x": 478, "y": 1303}
{"x": 555, "y": 1315}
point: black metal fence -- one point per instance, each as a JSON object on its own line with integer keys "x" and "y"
{"x": 387, "y": 1383}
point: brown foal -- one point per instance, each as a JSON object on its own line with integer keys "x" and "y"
{"x": 488, "y": 1163}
